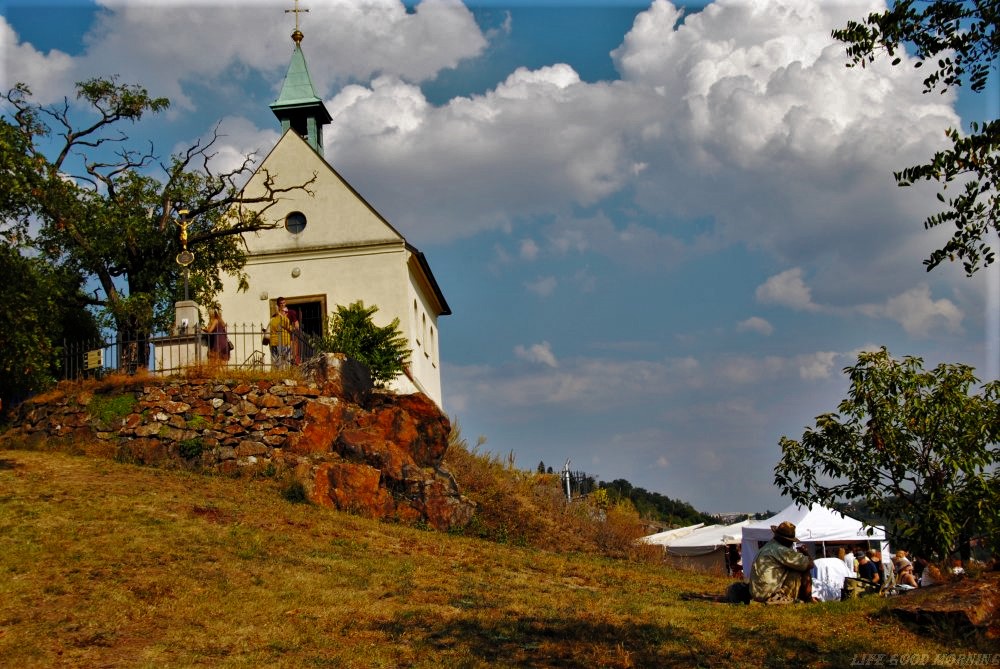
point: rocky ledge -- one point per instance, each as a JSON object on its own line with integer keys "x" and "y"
{"x": 963, "y": 607}
{"x": 372, "y": 453}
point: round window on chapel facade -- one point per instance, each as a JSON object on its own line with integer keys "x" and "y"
{"x": 295, "y": 222}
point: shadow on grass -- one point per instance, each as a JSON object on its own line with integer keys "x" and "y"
{"x": 541, "y": 642}
{"x": 784, "y": 650}
{"x": 10, "y": 464}
{"x": 703, "y": 597}
{"x": 535, "y": 642}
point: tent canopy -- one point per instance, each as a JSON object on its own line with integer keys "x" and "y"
{"x": 663, "y": 538}
{"x": 707, "y": 539}
{"x": 815, "y": 524}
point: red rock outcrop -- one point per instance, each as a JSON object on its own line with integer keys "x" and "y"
{"x": 354, "y": 449}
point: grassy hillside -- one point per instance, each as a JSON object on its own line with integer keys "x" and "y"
{"x": 105, "y": 564}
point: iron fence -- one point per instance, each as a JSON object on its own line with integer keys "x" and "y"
{"x": 242, "y": 347}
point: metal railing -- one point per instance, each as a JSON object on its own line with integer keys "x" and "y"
{"x": 242, "y": 347}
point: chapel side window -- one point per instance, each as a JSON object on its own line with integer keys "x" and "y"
{"x": 432, "y": 347}
{"x": 416, "y": 333}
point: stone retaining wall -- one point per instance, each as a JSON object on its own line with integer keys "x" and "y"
{"x": 373, "y": 453}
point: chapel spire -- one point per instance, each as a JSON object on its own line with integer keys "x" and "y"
{"x": 298, "y": 107}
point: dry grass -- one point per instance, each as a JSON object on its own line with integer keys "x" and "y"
{"x": 104, "y": 564}
{"x": 525, "y": 508}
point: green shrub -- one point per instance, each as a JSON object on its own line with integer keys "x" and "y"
{"x": 352, "y": 332}
{"x": 293, "y": 491}
{"x": 190, "y": 448}
{"x": 198, "y": 422}
{"x": 616, "y": 530}
{"x": 110, "y": 409}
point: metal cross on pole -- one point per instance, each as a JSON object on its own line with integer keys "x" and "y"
{"x": 185, "y": 257}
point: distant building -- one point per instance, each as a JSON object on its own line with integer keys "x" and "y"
{"x": 732, "y": 517}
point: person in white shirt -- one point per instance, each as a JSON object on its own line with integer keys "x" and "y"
{"x": 828, "y": 579}
{"x": 849, "y": 561}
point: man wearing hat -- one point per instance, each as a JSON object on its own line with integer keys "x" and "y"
{"x": 780, "y": 573}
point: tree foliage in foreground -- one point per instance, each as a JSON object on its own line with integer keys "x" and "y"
{"x": 914, "y": 445}
{"x": 44, "y": 305}
{"x": 76, "y": 191}
{"x": 960, "y": 41}
{"x": 352, "y": 331}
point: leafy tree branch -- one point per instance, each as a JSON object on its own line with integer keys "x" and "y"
{"x": 88, "y": 201}
{"x": 959, "y": 39}
{"x": 913, "y": 444}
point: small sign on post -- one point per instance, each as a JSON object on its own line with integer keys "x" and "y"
{"x": 94, "y": 359}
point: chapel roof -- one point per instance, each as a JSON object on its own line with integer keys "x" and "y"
{"x": 297, "y": 91}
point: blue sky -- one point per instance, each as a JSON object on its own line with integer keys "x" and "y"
{"x": 663, "y": 231}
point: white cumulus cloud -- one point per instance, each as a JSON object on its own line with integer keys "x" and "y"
{"x": 171, "y": 43}
{"x": 787, "y": 289}
{"x": 543, "y": 286}
{"x": 918, "y": 312}
{"x": 818, "y": 365}
{"x": 755, "y": 324}
{"x": 528, "y": 250}
{"x": 541, "y": 353}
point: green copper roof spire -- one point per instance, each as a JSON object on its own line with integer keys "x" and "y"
{"x": 298, "y": 107}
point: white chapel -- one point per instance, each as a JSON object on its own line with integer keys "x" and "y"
{"x": 332, "y": 247}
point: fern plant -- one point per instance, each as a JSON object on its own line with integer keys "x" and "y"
{"x": 351, "y": 331}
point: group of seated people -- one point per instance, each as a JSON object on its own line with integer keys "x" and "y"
{"x": 783, "y": 573}
{"x": 872, "y": 573}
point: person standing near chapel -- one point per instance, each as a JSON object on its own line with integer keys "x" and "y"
{"x": 296, "y": 332}
{"x": 218, "y": 339}
{"x": 280, "y": 332}
{"x": 780, "y": 573}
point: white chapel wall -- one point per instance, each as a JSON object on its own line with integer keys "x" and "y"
{"x": 335, "y": 215}
{"x": 422, "y": 330}
{"x": 345, "y": 252}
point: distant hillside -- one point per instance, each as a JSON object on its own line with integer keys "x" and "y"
{"x": 654, "y": 506}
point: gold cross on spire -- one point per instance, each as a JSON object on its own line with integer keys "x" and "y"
{"x": 296, "y": 11}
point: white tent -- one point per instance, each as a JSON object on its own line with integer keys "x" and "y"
{"x": 816, "y": 525}
{"x": 663, "y": 538}
{"x": 707, "y": 539}
{"x": 709, "y": 549}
